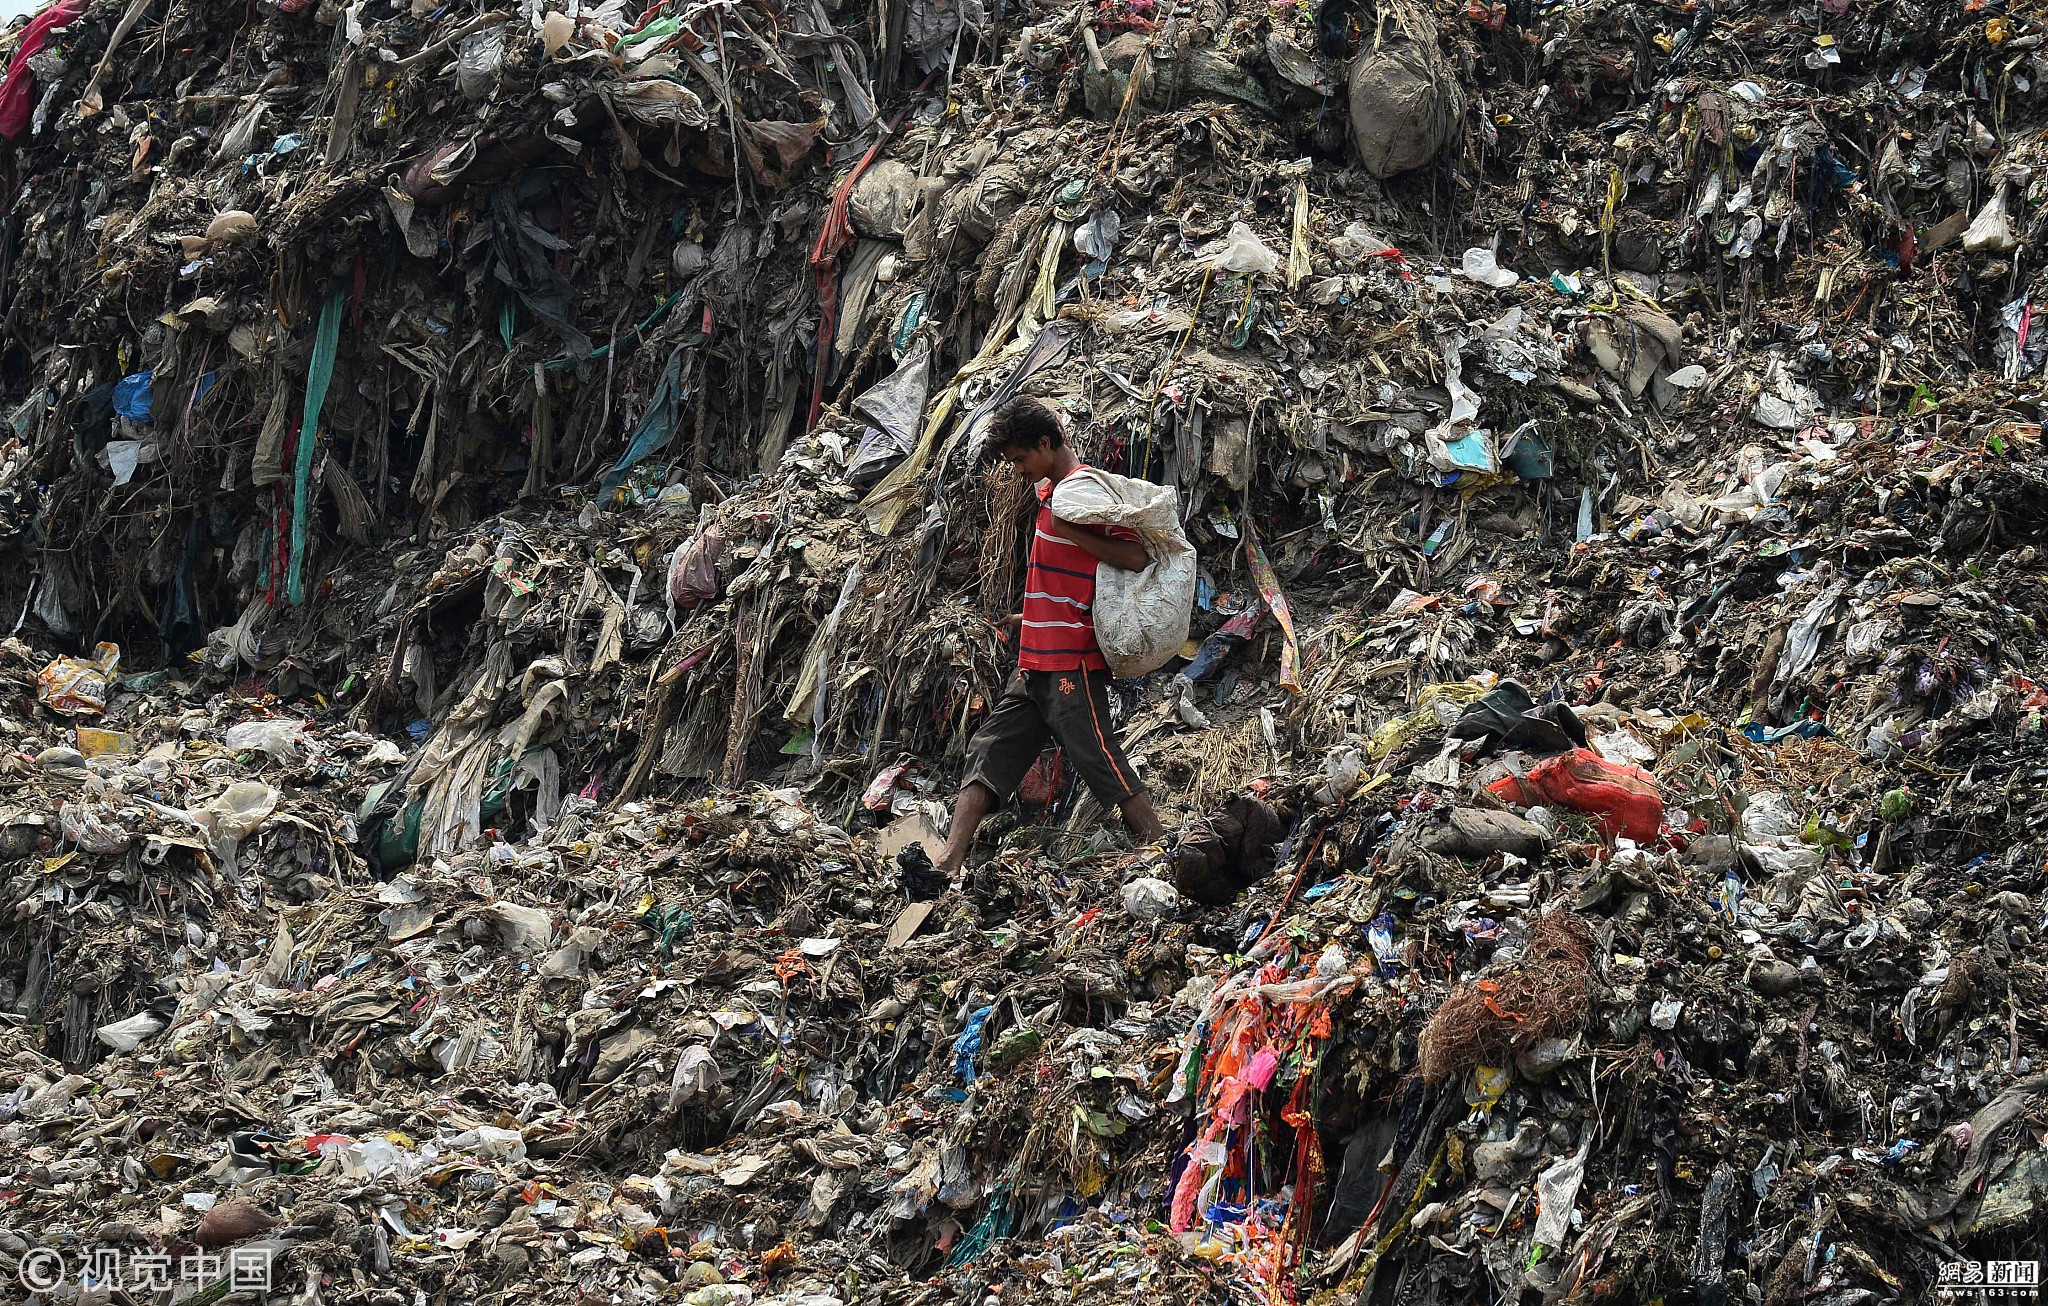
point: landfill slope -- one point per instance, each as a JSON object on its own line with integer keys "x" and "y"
{"x": 505, "y": 562}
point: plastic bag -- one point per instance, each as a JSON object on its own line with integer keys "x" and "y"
{"x": 1770, "y": 815}
{"x": 239, "y": 140}
{"x": 1141, "y": 617}
{"x": 693, "y": 572}
{"x": 566, "y": 962}
{"x": 1804, "y": 638}
{"x": 477, "y": 61}
{"x": 124, "y": 456}
{"x": 1624, "y": 798}
{"x": 76, "y": 686}
{"x": 1760, "y": 482}
{"x": 526, "y": 930}
{"x": 881, "y": 203}
{"x": 696, "y": 1073}
{"x": 1481, "y": 266}
{"x": 1361, "y": 242}
{"x": 1991, "y": 232}
{"x": 1097, "y": 236}
{"x": 1404, "y": 99}
{"x": 1341, "y": 770}
{"x": 1149, "y": 899}
{"x": 134, "y": 395}
{"x": 656, "y": 102}
{"x": 1557, "y": 1190}
{"x": 895, "y": 406}
{"x": 555, "y": 31}
{"x": 280, "y": 738}
{"x": 1621, "y": 746}
{"x": 1241, "y": 251}
{"x": 366, "y": 1159}
{"x": 1770, "y": 833}
{"x": 490, "y": 1143}
{"x": 93, "y": 828}
{"x": 235, "y": 815}
{"x": 128, "y": 1035}
{"x": 1045, "y": 781}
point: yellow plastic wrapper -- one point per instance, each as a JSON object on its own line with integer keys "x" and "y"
{"x": 1403, "y": 730}
{"x": 93, "y": 742}
{"x": 1489, "y": 1086}
{"x": 77, "y": 687}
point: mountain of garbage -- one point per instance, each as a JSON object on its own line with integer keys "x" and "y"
{"x": 503, "y": 564}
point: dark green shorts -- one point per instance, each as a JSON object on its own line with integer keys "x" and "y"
{"x": 1070, "y": 708}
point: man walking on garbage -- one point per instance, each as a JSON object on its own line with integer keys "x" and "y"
{"x": 1061, "y": 687}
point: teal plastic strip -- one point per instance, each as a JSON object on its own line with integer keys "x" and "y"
{"x": 326, "y": 338}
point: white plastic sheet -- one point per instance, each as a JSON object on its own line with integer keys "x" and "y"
{"x": 1242, "y": 251}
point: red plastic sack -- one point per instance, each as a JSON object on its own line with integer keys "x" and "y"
{"x": 1624, "y": 798}
{"x": 1043, "y": 782}
{"x": 17, "y": 93}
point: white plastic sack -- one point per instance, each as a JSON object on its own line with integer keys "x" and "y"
{"x": 1342, "y": 768}
{"x": 1481, "y": 266}
{"x": 94, "y": 828}
{"x": 1141, "y": 617}
{"x": 566, "y": 962}
{"x": 525, "y": 930}
{"x": 128, "y": 1035}
{"x": 1557, "y": 1189}
{"x": 1991, "y": 231}
{"x": 490, "y": 1143}
{"x": 1150, "y": 899}
{"x": 696, "y": 1073}
{"x": 1622, "y": 747}
{"x": 279, "y": 736}
{"x": 1770, "y": 815}
{"x": 1770, "y": 833}
{"x": 1241, "y": 251}
{"x": 236, "y": 814}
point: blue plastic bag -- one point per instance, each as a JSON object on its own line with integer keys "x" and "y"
{"x": 133, "y": 395}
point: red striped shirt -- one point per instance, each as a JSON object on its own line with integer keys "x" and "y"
{"x": 1059, "y": 597}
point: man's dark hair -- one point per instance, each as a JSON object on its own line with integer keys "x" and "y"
{"x": 1022, "y": 423}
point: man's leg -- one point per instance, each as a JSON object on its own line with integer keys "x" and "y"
{"x": 1076, "y": 703}
{"x": 970, "y": 809}
{"x": 1002, "y": 750}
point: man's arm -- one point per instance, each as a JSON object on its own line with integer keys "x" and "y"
{"x": 1129, "y": 555}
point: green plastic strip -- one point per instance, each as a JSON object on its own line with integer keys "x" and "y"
{"x": 326, "y": 338}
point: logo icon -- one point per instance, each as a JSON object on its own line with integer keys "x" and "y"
{"x": 1988, "y": 1281}
{"x": 41, "y": 1269}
